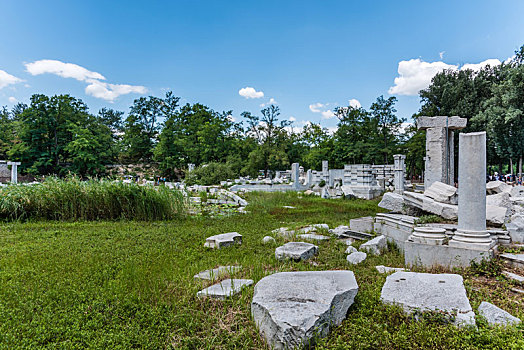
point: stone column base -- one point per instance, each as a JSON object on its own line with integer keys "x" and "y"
{"x": 428, "y": 256}
{"x": 469, "y": 239}
{"x": 428, "y": 235}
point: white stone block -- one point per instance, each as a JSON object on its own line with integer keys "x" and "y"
{"x": 296, "y": 251}
{"x": 356, "y": 257}
{"x": 496, "y": 316}
{"x": 225, "y": 289}
{"x": 442, "y": 193}
{"x": 223, "y": 240}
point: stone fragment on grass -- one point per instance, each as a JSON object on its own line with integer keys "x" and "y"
{"x": 513, "y": 276}
{"x": 386, "y": 269}
{"x": 496, "y": 316}
{"x": 351, "y": 249}
{"x": 225, "y": 289}
{"x": 356, "y": 257}
{"x": 268, "y": 240}
{"x": 223, "y": 240}
{"x": 313, "y": 237}
{"x": 340, "y": 231}
{"x": 418, "y": 292}
{"x": 296, "y": 251}
{"x": 284, "y": 232}
{"x": 291, "y": 309}
{"x": 375, "y": 246}
{"x": 213, "y": 274}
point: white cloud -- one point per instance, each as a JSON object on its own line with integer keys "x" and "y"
{"x": 292, "y": 119}
{"x": 62, "y": 69}
{"x": 110, "y": 92}
{"x": 327, "y": 114}
{"x": 354, "y": 103}
{"x": 441, "y": 54}
{"x": 322, "y": 109}
{"x": 271, "y": 102}
{"x": 7, "y": 79}
{"x": 315, "y": 108}
{"x": 249, "y": 92}
{"x": 95, "y": 87}
{"x": 416, "y": 75}
{"x": 478, "y": 66}
{"x": 12, "y": 99}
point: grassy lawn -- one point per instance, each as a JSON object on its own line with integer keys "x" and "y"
{"x": 121, "y": 285}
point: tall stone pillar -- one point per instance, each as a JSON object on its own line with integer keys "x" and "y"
{"x": 439, "y": 160}
{"x": 471, "y": 232}
{"x": 325, "y": 171}
{"x": 295, "y": 174}
{"x": 399, "y": 172}
{"x": 14, "y": 171}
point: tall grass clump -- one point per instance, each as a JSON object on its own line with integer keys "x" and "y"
{"x": 73, "y": 199}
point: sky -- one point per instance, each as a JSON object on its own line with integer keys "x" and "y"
{"x": 306, "y": 56}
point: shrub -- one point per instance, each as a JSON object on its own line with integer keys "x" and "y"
{"x": 73, "y": 199}
{"x": 210, "y": 174}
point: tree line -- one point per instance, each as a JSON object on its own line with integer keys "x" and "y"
{"x": 59, "y": 135}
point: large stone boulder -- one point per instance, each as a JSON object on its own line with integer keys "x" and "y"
{"x": 496, "y": 215}
{"x": 363, "y": 224}
{"x": 393, "y": 202}
{"x": 516, "y": 228}
{"x": 291, "y": 309}
{"x": 494, "y": 187}
{"x": 420, "y": 201}
{"x": 356, "y": 258}
{"x": 296, "y": 251}
{"x": 416, "y": 292}
{"x": 442, "y": 193}
{"x": 499, "y": 200}
{"x": 496, "y": 316}
{"x": 517, "y": 191}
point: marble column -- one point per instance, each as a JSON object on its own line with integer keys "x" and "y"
{"x": 14, "y": 171}
{"x": 399, "y": 172}
{"x": 325, "y": 171}
{"x": 295, "y": 174}
{"x": 471, "y": 232}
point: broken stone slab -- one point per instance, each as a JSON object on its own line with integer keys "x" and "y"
{"x": 356, "y": 257}
{"x": 313, "y": 237}
{"x": 284, "y": 232}
{"x": 268, "y": 240}
{"x": 350, "y": 249}
{"x": 494, "y": 187}
{"x": 225, "y": 289}
{"x": 223, "y": 240}
{"x": 496, "y": 316}
{"x": 516, "y": 228}
{"x": 496, "y": 215}
{"x": 415, "y": 292}
{"x": 393, "y": 202}
{"x": 499, "y": 200}
{"x": 386, "y": 269}
{"x": 513, "y": 276}
{"x": 515, "y": 260}
{"x": 452, "y": 123}
{"x": 517, "y": 191}
{"x": 296, "y": 251}
{"x": 291, "y": 309}
{"x": 341, "y": 231}
{"x": 213, "y": 274}
{"x": 375, "y": 246}
{"x": 348, "y": 191}
{"x": 442, "y": 193}
{"x": 363, "y": 224}
{"x": 418, "y": 200}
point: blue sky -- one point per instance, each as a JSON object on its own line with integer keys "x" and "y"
{"x": 308, "y": 56}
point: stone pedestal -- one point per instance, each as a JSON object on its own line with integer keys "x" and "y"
{"x": 14, "y": 171}
{"x": 439, "y": 158}
{"x": 471, "y": 232}
{"x": 399, "y": 172}
{"x": 428, "y": 235}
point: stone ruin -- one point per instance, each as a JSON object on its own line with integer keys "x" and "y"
{"x": 12, "y": 174}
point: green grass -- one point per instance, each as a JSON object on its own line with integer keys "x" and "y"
{"x": 73, "y": 199}
{"x": 129, "y": 284}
